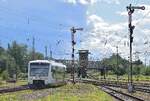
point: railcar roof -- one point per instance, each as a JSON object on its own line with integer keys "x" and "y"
{"x": 41, "y": 61}
{"x": 51, "y": 62}
{"x": 57, "y": 64}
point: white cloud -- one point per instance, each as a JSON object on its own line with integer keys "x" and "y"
{"x": 124, "y": 13}
{"x": 83, "y": 2}
{"x": 105, "y": 36}
{"x": 141, "y": 20}
{"x": 140, "y": 17}
{"x": 87, "y": 2}
{"x": 71, "y": 1}
{"x": 146, "y": 31}
{"x": 100, "y": 25}
{"x": 146, "y": 34}
{"x": 111, "y": 1}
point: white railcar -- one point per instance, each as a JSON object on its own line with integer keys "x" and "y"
{"x": 45, "y": 72}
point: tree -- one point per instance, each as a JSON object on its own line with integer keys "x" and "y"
{"x": 112, "y": 61}
{"x": 14, "y": 59}
{"x": 18, "y": 52}
{"x": 147, "y": 71}
{"x": 138, "y": 62}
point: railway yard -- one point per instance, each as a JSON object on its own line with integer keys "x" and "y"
{"x": 84, "y": 90}
{"x": 74, "y": 50}
{"x": 68, "y": 92}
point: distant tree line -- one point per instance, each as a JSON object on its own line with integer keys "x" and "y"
{"x": 123, "y": 66}
{"x": 111, "y": 63}
{"x": 14, "y": 60}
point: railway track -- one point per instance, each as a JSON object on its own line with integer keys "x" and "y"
{"x": 143, "y": 84}
{"x": 138, "y": 87}
{"x": 27, "y": 87}
{"x": 117, "y": 83}
{"x": 120, "y": 95}
{"x": 19, "y": 88}
{"x": 141, "y": 89}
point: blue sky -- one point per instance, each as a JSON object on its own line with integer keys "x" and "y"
{"x": 50, "y": 22}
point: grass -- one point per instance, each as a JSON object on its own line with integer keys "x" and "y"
{"x": 16, "y": 96}
{"x": 18, "y": 83}
{"x": 78, "y": 92}
{"x": 69, "y": 92}
{"x": 136, "y": 78}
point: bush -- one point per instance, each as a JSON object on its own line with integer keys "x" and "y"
{"x": 5, "y": 75}
{"x": 23, "y": 76}
{"x": 147, "y": 71}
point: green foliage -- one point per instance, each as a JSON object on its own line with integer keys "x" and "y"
{"x": 15, "y": 59}
{"x": 147, "y": 71}
{"x": 137, "y": 69}
{"x": 5, "y": 75}
{"x": 3, "y": 59}
{"x": 22, "y": 75}
{"x": 124, "y": 65}
{"x": 112, "y": 62}
{"x": 138, "y": 62}
{"x": 18, "y": 51}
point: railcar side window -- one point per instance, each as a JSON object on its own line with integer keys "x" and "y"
{"x": 58, "y": 73}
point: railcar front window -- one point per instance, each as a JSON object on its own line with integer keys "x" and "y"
{"x": 39, "y": 69}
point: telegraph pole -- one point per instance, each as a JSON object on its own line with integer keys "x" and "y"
{"x": 46, "y": 53}
{"x": 73, "y": 31}
{"x": 50, "y": 50}
{"x": 130, "y": 10}
{"x": 33, "y": 48}
{"x": 145, "y": 57}
{"x": 145, "y": 61}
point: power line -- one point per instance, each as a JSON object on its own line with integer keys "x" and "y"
{"x": 46, "y": 56}
{"x": 33, "y": 49}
